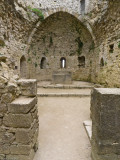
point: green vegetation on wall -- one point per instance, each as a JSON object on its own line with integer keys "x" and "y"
{"x": 37, "y": 11}
{"x": 80, "y": 45}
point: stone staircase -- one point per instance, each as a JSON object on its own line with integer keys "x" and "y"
{"x": 76, "y": 89}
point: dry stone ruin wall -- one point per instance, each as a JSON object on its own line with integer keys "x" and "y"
{"x": 19, "y": 25}
{"x": 29, "y": 45}
{"x": 107, "y": 51}
{"x": 18, "y": 116}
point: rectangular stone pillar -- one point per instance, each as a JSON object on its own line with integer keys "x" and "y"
{"x": 105, "y": 108}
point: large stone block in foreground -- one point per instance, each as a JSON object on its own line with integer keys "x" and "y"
{"x": 62, "y": 77}
{"x": 105, "y": 108}
{"x": 19, "y": 127}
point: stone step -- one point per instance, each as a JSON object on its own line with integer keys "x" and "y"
{"x": 64, "y": 87}
{"x": 62, "y": 95}
{"x": 22, "y": 105}
{"x": 74, "y": 85}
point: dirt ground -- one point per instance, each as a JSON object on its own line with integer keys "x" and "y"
{"x": 61, "y": 132}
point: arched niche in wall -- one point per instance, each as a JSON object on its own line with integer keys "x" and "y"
{"x": 81, "y": 61}
{"x": 43, "y": 63}
{"x": 23, "y": 67}
{"x": 63, "y": 62}
{"x": 102, "y": 62}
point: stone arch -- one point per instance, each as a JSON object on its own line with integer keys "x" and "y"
{"x": 43, "y": 63}
{"x": 59, "y": 35}
{"x": 50, "y": 12}
{"x": 23, "y": 67}
{"x": 63, "y": 62}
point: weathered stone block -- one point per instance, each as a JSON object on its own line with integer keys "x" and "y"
{"x": 17, "y": 120}
{"x": 61, "y": 77}
{"x": 20, "y": 149}
{"x": 6, "y": 137}
{"x": 105, "y": 107}
{"x": 28, "y": 87}
{"x": 2, "y": 157}
{"x": 12, "y": 87}
{"x": 23, "y": 136}
{"x": 22, "y": 105}
{"x": 3, "y": 108}
{"x": 21, "y": 157}
{"x": 7, "y": 98}
{"x": 4, "y": 149}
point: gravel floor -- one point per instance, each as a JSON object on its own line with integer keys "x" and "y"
{"x": 61, "y": 132}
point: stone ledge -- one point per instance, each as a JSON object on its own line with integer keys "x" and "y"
{"x": 28, "y": 87}
{"x": 22, "y": 105}
{"x": 108, "y": 91}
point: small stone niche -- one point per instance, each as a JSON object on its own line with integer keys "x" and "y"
{"x": 111, "y": 48}
{"x": 81, "y": 62}
{"x": 102, "y": 63}
{"x": 43, "y": 63}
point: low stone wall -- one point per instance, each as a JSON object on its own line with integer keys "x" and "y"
{"x": 19, "y": 124}
{"x": 105, "y": 107}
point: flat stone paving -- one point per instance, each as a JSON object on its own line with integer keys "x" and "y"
{"x": 82, "y": 91}
{"x": 61, "y": 132}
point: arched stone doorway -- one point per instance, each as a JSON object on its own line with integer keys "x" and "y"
{"x": 23, "y": 67}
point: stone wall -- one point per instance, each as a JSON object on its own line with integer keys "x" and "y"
{"x": 107, "y": 32}
{"x": 60, "y": 35}
{"x": 19, "y": 26}
{"x": 18, "y": 116}
{"x": 105, "y": 108}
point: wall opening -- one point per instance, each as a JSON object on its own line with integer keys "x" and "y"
{"x": 111, "y": 48}
{"x": 43, "y": 63}
{"x": 63, "y": 62}
{"x": 102, "y": 62}
{"x": 81, "y": 61}
{"x": 82, "y": 7}
{"x": 23, "y": 67}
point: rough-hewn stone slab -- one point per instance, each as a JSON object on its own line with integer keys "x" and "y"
{"x": 22, "y": 105}
{"x": 23, "y": 136}
{"x": 20, "y": 149}
{"x": 17, "y": 120}
{"x": 62, "y": 77}
{"x": 28, "y": 87}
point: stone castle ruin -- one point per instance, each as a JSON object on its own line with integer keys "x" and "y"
{"x": 60, "y": 41}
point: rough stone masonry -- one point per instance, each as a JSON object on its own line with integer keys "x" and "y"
{"x": 18, "y": 116}
{"x": 105, "y": 107}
